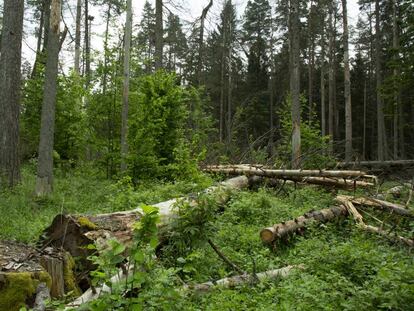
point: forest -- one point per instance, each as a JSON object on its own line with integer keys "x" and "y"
{"x": 206, "y": 155}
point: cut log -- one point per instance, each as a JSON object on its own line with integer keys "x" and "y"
{"x": 281, "y": 174}
{"x": 238, "y": 280}
{"x": 372, "y": 202}
{"x": 278, "y": 231}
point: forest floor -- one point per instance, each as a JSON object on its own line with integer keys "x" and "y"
{"x": 345, "y": 268}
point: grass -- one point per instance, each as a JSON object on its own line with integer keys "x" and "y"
{"x": 346, "y": 268}
{"x": 81, "y": 191}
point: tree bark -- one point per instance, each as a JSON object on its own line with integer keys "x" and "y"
{"x": 159, "y": 34}
{"x": 10, "y": 82}
{"x": 323, "y": 93}
{"x": 347, "y": 87}
{"x": 78, "y": 36}
{"x": 295, "y": 83}
{"x": 87, "y": 40}
{"x": 125, "y": 97}
{"x": 44, "y": 182}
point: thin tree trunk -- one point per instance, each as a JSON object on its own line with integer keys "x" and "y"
{"x": 229, "y": 87}
{"x": 364, "y": 125}
{"x": 78, "y": 36}
{"x": 44, "y": 24}
{"x": 105, "y": 73}
{"x": 159, "y": 35}
{"x": 10, "y": 82}
{"x": 395, "y": 46}
{"x": 347, "y": 87}
{"x": 295, "y": 82}
{"x": 87, "y": 46}
{"x": 331, "y": 79}
{"x": 201, "y": 41}
{"x": 125, "y": 106}
{"x": 323, "y": 101}
{"x": 222, "y": 86}
{"x": 44, "y": 182}
{"x": 311, "y": 62}
{"x": 381, "y": 139}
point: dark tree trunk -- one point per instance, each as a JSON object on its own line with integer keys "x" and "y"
{"x": 295, "y": 82}
{"x": 10, "y": 81}
{"x": 331, "y": 83}
{"x": 44, "y": 181}
{"x": 159, "y": 34}
{"x": 44, "y": 30}
{"x": 347, "y": 87}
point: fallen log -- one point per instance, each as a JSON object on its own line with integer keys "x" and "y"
{"x": 380, "y": 204}
{"x": 376, "y": 164}
{"x": 238, "y": 280}
{"x": 361, "y": 224}
{"x": 281, "y": 174}
{"x": 278, "y": 231}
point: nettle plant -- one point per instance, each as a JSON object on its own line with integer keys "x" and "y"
{"x": 148, "y": 285}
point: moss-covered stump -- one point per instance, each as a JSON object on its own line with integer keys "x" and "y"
{"x": 20, "y": 274}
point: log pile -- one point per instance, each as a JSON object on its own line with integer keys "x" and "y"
{"x": 343, "y": 179}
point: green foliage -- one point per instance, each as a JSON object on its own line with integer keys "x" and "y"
{"x": 158, "y": 148}
{"x": 314, "y": 146}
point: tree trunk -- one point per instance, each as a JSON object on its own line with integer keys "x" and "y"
{"x": 364, "y": 123}
{"x": 201, "y": 41}
{"x": 125, "y": 98}
{"x": 78, "y": 36}
{"x": 381, "y": 139}
{"x": 106, "y": 52}
{"x": 159, "y": 34}
{"x": 331, "y": 78}
{"x": 395, "y": 47}
{"x": 44, "y": 182}
{"x": 10, "y": 82}
{"x": 295, "y": 82}
{"x": 323, "y": 101}
{"x": 347, "y": 87}
{"x": 311, "y": 60}
{"x": 87, "y": 46}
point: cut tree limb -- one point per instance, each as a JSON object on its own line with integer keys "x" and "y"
{"x": 278, "y": 231}
{"x": 238, "y": 280}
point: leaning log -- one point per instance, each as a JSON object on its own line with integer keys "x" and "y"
{"x": 279, "y": 231}
{"x": 281, "y": 174}
{"x": 238, "y": 280}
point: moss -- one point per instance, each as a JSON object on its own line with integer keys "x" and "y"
{"x": 17, "y": 288}
{"x": 86, "y": 223}
{"x": 69, "y": 277}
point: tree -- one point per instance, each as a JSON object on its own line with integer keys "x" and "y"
{"x": 201, "y": 40}
{"x": 159, "y": 34}
{"x": 175, "y": 44}
{"x": 125, "y": 96}
{"x": 78, "y": 36}
{"x": 44, "y": 182}
{"x": 146, "y": 37}
{"x": 381, "y": 138}
{"x": 347, "y": 87}
{"x": 295, "y": 81}
{"x": 10, "y": 81}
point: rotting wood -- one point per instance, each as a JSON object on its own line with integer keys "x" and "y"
{"x": 42, "y": 296}
{"x": 238, "y": 280}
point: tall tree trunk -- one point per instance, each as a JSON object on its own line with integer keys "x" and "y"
{"x": 78, "y": 36}
{"x": 395, "y": 46}
{"x": 229, "y": 87}
{"x": 381, "y": 139}
{"x": 10, "y": 82}
{"x": 347, "y": 87}
{"x": 44, "y": 182}
{"x": 106, "y": 52}
{"x": 323, "y": 101}
{"x": 295, "y": 82}
{"x": 159, "y": 34}
{"x": 364, "y": 124}
{"x": 87, "y": 45}
{"x": 125, "y": 106}
{"x": 331, "y": 78}
{"x": 201, "y": 41}
{"x": 311, "y": 61}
